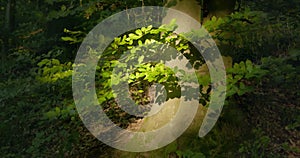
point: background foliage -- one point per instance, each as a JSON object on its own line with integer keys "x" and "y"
{"x": 38, "y": 115}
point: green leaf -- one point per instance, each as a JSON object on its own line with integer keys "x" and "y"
{"x": 57, "y": 109}
{"x": 249, "y": 66}
{"x": 141, "y": 59}
{"x": 68, "y": 39}
{"x": 139, "y": 32}
{"x": 132, "y": 36}
{"x": 43, "y": 62}
{"x": 50, "y": 114}
{"x": 55, "y": 62}
{"x": 156, "y": 31}
{"x": 140, "y": 42}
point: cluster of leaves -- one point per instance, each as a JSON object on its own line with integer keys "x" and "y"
{"x": 51, "y": 70}
{"x": 139, "y": 66}
{"x": 279, "y": 88}
{"x": 243, "y": 77}
{"x": 189, "y": 153}
{"x": 284, "y": 72}
{"x": 146, "y": 75}
{"x": 256, "y": 148}
{"x": 252, "y": 35}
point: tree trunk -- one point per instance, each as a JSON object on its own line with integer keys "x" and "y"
{"x": 9, "y": 26}
{"x": 190, "y": 7}
{"x": 203, "y": 10}
{"x": 219, "y": 8}
{"x": 193, "y": 8}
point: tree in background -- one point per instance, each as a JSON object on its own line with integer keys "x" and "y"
{"x": 203, "y": 10}
{"x": 9, "y": 25}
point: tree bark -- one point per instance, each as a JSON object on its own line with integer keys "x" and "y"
{"x": 190, "y": 7}
{"x": 203, "y": 10}
{"x": 9, "y": 26}
{"x": 219, "y": 8}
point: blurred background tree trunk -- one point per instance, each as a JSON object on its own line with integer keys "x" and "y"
{"x": 8, "y": 26}
{"x": 219, "y": 8}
